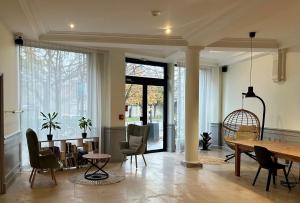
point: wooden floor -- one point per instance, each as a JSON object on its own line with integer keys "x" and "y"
{"x": 163, "y": 180}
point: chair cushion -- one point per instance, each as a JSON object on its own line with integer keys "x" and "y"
{"x": 135, "y": 142}
{"x": 128, "y": 151}
{"x": 248, "y": 128}
{"x": 246, "y": 136}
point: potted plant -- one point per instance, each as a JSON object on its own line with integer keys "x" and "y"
{"x": 85, "y": 123}
{"x": 50, "y": 123}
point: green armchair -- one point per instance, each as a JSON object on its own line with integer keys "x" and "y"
{"x": 39, "y": 160}
{"x": 136, "y": 143}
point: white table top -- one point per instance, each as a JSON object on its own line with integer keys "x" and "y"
{"x": 96, "y": 156}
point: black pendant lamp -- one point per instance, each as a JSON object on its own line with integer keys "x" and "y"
{"x": 251, "y": 93}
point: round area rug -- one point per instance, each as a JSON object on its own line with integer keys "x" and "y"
{"x": 210, "y": 160}
{"x": 113, "y": 178}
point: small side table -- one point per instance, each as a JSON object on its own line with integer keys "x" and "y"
{"x": 94, "y": 159}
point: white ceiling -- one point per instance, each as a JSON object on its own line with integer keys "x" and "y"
{"x": 129, "y": 23}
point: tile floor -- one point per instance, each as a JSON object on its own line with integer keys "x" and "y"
{"x": 163, "y": 180}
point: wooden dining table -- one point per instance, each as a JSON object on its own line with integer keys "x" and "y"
{"x": 280, "y": 150}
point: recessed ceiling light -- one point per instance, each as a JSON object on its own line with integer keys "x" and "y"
{"x": 168, "y": 31}
{"x": 71, "y": 25}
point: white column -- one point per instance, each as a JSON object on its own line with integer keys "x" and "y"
{"x": 192, "y": 107}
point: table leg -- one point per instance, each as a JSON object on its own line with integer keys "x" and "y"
{"x": 99, "y": 174}
{"x": 237, "y": 160}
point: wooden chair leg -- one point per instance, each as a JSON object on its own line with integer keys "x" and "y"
{"x": 269, "y": 180}
{"x": 135, "y": 161}
{"x": 53, "y": 176}
{"x": 258, "y": 171}
{"x": 33, "y": 177}
{"x": 144, "y": 159}
{"x": 30, "y": 177}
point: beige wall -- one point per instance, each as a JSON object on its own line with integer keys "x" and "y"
{"x": 8, "y": 66}
{"x": 282, "y": 99}
{"x": 115, "y": 90}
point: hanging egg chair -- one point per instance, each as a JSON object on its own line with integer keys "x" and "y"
{"x": 240, "y": 122}
{"x": 241, "y": 117}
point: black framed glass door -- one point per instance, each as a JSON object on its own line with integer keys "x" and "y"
{"x": 146, "y": 99}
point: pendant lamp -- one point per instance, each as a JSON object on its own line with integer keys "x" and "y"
{"x": 251, "y": 93}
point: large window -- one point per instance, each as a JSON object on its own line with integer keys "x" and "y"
{"x": 143, "y": 70}
{"x": 205, "y": 102}
{"x": 54, "y": 81}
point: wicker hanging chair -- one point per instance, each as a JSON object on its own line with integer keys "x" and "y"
{"x": 237, "y": 121}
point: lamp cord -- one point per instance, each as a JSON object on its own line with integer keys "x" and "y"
{"x": 243, "y": 101}
{"x": 251, "y": 65}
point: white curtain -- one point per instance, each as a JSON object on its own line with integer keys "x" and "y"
{"x": 179, "y": 105}
{"x": 207, "y": 106}
{"x": 57, "y": 80}
{"x": 205, "y": 93}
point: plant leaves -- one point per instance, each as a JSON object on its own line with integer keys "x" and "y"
{"x": 43, "y": 115}
{"x": 54, "y": 115}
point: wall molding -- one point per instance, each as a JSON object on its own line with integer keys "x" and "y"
{"x": 275, "y": 134}
{"x": 111, "y": 142}
{"x": 283, "y": 132}
{"x": 12, "y": 157}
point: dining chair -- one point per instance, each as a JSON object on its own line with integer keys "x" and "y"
{"x": 265, "y": 159}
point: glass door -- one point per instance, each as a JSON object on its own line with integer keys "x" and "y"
{"x": 133, "y": 104}
{"x": 146, "y": 100}
{"x": 155, "y": 117}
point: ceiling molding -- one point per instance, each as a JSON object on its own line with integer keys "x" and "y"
{"x": 244, "y": 43}
{"x": 145, "y": 57}
{"x": 292, "y": 41}
{"x": 114, "y": 38}
{"x": 36, "y": 25}
{"x": 243, "y": 57}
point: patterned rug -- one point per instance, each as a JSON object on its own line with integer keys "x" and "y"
{"x": 113, "y": 178}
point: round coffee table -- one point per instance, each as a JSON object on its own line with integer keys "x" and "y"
{"x": 94, "y": 159}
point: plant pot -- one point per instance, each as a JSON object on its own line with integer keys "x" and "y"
{"x": 84, "y": 135}
{"x": 49, "y": 137}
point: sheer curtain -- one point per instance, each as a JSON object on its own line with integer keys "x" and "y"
{"x": 53, "y": 80}
{"x": 206, "y": 105}
{"x": 179, "y": 105}
{"x": 205, "y": 93}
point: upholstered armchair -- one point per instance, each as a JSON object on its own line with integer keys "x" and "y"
{"x": 136, "y": 143}
{"x": 39, "y": 160}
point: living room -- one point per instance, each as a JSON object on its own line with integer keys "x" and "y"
{"x": 149, "y": 101}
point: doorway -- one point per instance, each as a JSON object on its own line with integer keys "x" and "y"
{"x": 146, "y": 100}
